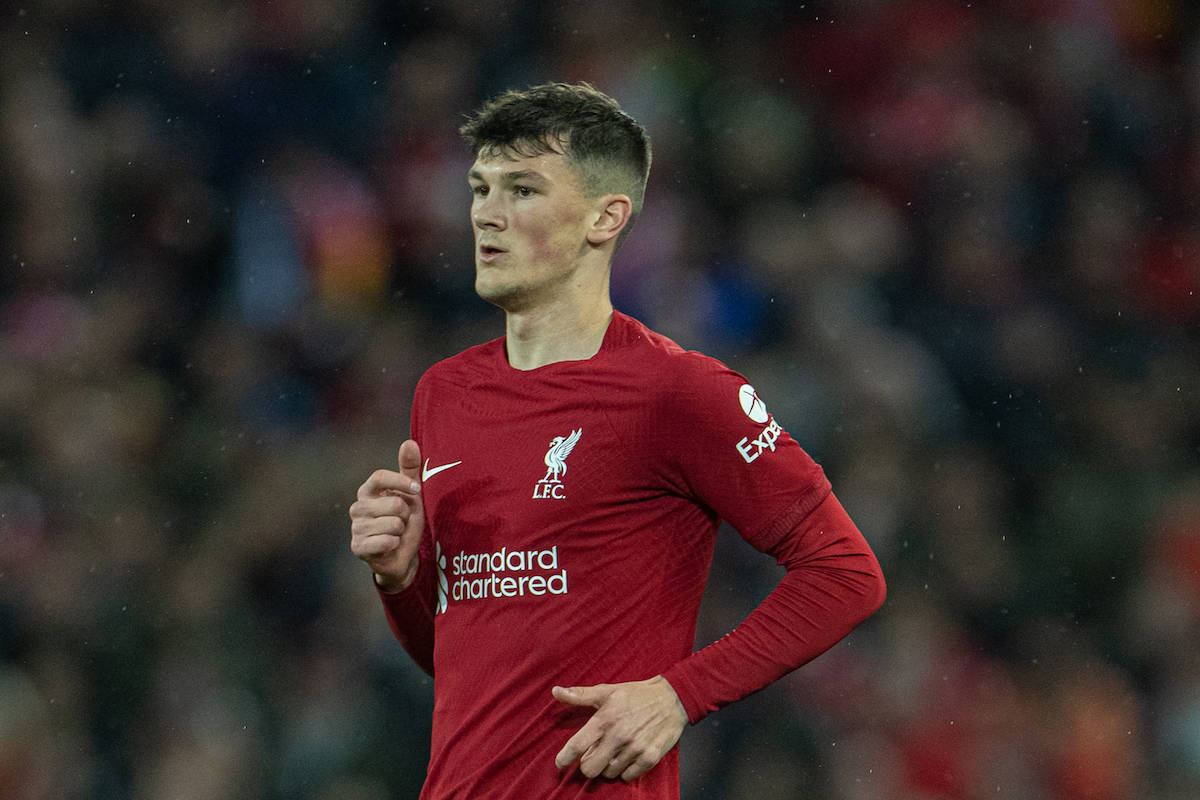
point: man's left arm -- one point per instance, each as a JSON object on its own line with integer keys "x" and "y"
{"x": 744, "y": 466}
{"x": 833, "y": 583}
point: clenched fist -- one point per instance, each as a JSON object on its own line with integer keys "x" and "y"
{"x": 387, "y": 519}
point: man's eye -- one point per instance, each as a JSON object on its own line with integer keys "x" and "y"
{"x": 523, "y": 191}
{"x": 479, "y": 191}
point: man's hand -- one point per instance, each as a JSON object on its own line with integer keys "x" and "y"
{"x": 634, "y": 726}
{"x": 387, "y": 519}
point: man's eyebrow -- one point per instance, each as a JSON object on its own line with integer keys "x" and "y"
{"x": 512, "y": 177}
{"x": 525, "y": 175}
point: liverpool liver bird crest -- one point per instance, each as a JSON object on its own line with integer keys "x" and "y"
{"x": 556, "y": 456}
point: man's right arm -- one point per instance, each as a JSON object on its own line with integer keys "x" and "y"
{"x": 410, "y": 614}
{"x": 386, "y": 532}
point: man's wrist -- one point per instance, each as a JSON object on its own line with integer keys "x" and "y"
{"x": 389, "y": 585}
{"x": 675, "y": 694}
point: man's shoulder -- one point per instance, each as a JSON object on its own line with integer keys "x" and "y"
{"x": 465, "y": 367}
{"x": 667, "y": 358}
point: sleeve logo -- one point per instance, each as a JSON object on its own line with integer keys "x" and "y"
{"x": 754, "y": 408}
{"x": 752, "y": 404}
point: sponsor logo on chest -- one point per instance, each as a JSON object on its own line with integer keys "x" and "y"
{"x": 498, "y": 575}
{"x": 551, "y": 487}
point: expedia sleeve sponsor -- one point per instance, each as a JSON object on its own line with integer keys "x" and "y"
{"x": 754, "y": 408}
{"x": 753, "y": 448}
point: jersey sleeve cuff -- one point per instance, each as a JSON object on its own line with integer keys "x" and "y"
{"x": 408, "y": 600}
{"x": 686, "y": 693}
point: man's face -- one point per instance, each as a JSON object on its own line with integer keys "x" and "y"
{"x": 530, "y": 219}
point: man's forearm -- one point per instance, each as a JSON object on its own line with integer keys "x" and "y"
{"x": 833, "y": 583}
{"x": 410, "y": 615}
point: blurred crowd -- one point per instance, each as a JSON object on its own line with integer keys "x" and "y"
{"x": 954, "y": 245}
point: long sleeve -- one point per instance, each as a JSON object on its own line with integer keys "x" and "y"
{"x": 410, "y": 612}
{"x": 726, "y": 452}
{"x": 833, "y": 582}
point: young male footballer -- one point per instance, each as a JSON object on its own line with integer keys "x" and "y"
{"x": 543, "y": 547}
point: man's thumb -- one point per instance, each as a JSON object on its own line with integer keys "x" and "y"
{"x": 410, "y": 460}
{"x": 581, "y": 695}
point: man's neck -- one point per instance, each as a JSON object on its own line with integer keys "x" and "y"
{"x": 544, "y": 336}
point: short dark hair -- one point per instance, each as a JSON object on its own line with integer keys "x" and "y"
{"x": 606, "y": 147}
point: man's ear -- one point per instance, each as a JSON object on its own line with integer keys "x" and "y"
{"x": 615, "y": 211}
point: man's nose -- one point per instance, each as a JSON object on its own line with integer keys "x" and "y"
{"x": 487, "y": 213}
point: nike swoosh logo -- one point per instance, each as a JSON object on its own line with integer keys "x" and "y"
{"x": 427, "y": 473}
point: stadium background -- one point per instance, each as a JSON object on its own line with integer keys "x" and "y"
{"x": 956, "y": 247}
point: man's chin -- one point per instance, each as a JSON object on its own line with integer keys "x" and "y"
{"x": 509, "y": 298}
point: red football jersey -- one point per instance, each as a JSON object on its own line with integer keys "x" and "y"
{"x": 571, "y": 514}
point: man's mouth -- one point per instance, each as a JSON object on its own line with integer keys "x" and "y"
{"x": 490, "y": 252}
